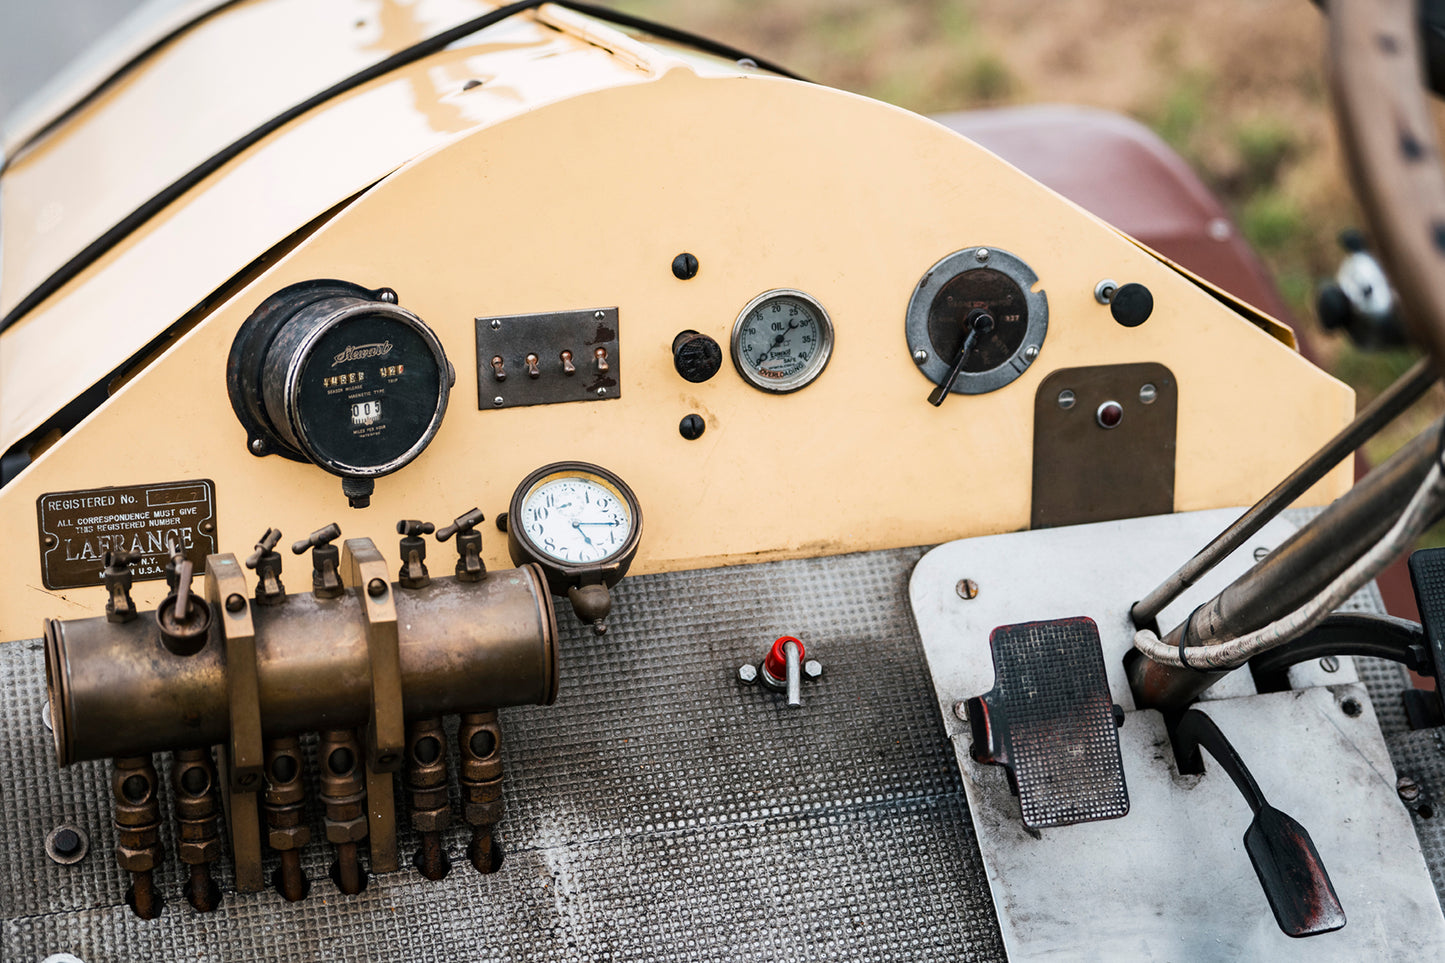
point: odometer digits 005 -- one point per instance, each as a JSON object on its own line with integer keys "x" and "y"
{"x": 782, "y": 340}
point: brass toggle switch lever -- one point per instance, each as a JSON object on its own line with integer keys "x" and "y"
{"x": 325, "y": 580}
{"x": 532, "y": 370}
{"x": 601, "y": 357}
{"x": 413, "y": 553}
{"x": 265, "y": 561}
{"x": 470, "y": 567}
{"x": 499, "y": 368}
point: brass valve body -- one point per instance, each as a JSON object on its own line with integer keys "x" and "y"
{"x": 116, "y": 690}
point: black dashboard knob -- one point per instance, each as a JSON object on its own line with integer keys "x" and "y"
{"x": 1131, "y": 305}
{"x": 696, "y": 357}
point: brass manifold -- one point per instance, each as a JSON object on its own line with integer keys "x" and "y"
{"x": 371, "y": 665}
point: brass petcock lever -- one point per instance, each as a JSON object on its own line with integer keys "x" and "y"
{"x": 977, "y": 324}
{"x": 325, "y": 557}
{"x": 119, "y": 607}
{"x": 266, "y": 562}
{"x": 184, "y": 620}
{"x": 413, "y": 553}
{"x": 469, "y": 544}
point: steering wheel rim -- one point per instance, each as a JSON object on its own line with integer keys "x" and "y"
{"x": 1391, "y": 153}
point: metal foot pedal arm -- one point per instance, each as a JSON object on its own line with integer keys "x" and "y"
{"x": 1285, "y": 859}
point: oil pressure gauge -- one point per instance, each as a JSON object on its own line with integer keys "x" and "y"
{"x": 975, "y": 321}
{"x": 782, "y": 340}
{"x": 582, "y": 525}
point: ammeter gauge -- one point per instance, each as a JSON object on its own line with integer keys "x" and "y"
{"x": 782, "y": 340}
{"x": 982, "y": 288}
{"x": 582, "y": 525}
{"x": 341, "y": 376}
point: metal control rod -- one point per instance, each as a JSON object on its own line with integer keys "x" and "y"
{"x": 1405, "y": 391}
{"x": 1290, "y": 575}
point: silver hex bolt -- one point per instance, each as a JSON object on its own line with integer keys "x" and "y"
{"x": 812, "y": 668}
{"x": 747, "y": 674}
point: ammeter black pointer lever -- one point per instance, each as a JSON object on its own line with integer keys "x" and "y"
{"x": 977, "y": 323}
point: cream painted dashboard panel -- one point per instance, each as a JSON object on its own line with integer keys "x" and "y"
{"x": 770, "y": 183}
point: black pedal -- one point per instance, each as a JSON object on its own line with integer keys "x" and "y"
{"x": 1049, "y": 720}
{"x": 1427, "y": 577}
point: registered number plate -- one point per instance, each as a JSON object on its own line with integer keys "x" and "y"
{"x": 77, "y": 529}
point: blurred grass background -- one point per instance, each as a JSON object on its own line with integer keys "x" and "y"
{"x": 1238, "y": 87}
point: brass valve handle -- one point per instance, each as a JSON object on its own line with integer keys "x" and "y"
{"x": 119, "y": 607}
{"x": 266, "y": 546}
{"x": 469, "y": 544}
{"x": 183, "y": 569}
{"x": 266, "y": 563}
{"x": 325, "y": 578}
{"x": 463, "y": 523}
{"x": 318, "y": 538}
{"x": 413, "y": 552}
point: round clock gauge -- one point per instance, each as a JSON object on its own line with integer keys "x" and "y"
{"x": 580, "y": 522}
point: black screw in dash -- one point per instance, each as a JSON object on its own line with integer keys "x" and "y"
{"x": 684, "y": 267}
{"x": 691, "y": 427}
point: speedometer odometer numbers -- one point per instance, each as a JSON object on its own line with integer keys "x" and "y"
{"x": 782, "y": 340}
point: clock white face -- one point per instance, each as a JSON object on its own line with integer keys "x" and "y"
{"x": 575, "y": 519}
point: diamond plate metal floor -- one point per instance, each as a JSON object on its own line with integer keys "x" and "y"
{"x": 658, "y": 811}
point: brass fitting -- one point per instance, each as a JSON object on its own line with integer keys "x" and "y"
{"x": 284, "y": 802}
{"x": 198, "y": 813}
{"x": 343, "y": 793}
{"x": 480, "y": 740}
{"x": 426, "y": 783}
{"x": 137, "y": 830}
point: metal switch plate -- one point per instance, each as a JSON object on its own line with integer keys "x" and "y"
{"x": 511, "y": 347}
{"x": 1085, "y": 472}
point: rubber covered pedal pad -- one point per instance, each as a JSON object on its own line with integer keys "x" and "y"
{"x": 1427, "y": 577}
{"x": 1049, "y": 720}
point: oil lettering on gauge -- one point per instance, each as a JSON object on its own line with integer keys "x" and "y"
{"x": 782, "y": 340}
